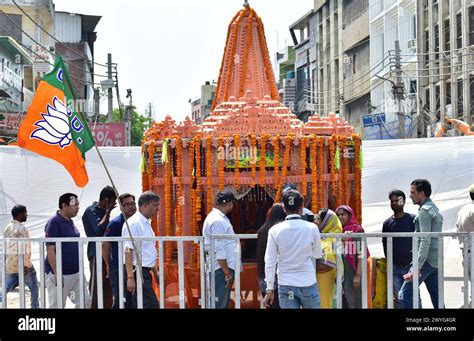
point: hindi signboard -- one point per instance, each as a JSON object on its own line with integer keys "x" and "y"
{"x": 10, "y": 121}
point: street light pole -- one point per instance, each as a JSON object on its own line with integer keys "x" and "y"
{"x": 110, "y": 95}
{"x": 128, "y": 118}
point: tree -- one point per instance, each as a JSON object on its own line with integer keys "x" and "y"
{"x": 139, "y": 125}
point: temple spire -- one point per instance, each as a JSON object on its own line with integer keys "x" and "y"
{"x": 246, "y": 63}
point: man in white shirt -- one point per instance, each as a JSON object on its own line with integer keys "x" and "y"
{"x": 217, "y": 222}
{"x": 294, "y": 245}
{"x": 16, "y": 229}
{"x": 465, "y": 222}
{"x": 140, "y": 227}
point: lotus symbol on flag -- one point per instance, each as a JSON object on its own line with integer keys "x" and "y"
{"x": 55, "y": 128}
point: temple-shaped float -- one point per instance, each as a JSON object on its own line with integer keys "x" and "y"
{"x": 251, "y": 142}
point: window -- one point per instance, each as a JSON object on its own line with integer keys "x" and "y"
{"x": 412, "y": 87}
{"x": 354, "y": 64}
{"x": 322, "y": 89}
{"x": 447, "y": 35}
{"x": 471, "y": 25}
{"x": 448, "y": 93}
{"x": 438, "y": 104}
{"x": 471, "y": 93}
{"x": 414, "y": 26}
{"x": 427, "y": 46}
{"x": 436, "y": 41}
{"x": 8, "y": 28}
{"x": 458, "y": 31}
{"x": 427, "y": 99}
{"x": 460, "y": 99}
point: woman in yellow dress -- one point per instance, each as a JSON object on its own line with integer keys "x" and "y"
{"x": 328, "y": 222}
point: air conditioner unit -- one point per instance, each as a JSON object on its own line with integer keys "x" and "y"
{"x": 411, "y": 44}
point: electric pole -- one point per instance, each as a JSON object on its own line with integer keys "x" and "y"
{"x": 150, "y": 112}
{"x": 110, "y": 96}
{"x": 399, "y": 90}
{"x": 96, "y": 103}
{"x": 128, "y": 118}
{"x": 120, "y": 105}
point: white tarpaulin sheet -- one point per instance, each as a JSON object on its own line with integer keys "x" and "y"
{"x": 37, "y": 182}
{"x": 448, "y": 163}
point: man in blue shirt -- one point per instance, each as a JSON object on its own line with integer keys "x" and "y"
{"x": 399, "y": 222}
{"x": 114, "y": 229}
{"x": 62, "y": 226}
{"x": 95, "y": 219}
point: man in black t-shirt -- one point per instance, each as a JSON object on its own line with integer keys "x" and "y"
{"x": 402, "y": 256}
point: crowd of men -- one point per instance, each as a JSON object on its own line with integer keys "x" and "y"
{"x": 97, "y": 223}
{"x": 296, "y": 263}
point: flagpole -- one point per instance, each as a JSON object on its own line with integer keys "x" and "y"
{"x": 139, "y": 258}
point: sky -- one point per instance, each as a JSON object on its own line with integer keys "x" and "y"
{"x": 166, "y": 50}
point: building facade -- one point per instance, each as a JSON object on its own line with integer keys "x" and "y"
{"x": 339, "y": 81}
{"x": 17, "y": 46}
{"x": 35, "y": 28}
{"x": 445, "y": 62}
{"x": 76, "y": 35}
{"x": 202, "y": 107}
{"x": 393, "y": 27}
{"x": 286, "y": 76}
{"x": 31, "y": 23}
{"x": 304, "y": 38}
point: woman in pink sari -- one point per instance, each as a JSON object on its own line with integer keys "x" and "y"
{"x": 351, "y": 259}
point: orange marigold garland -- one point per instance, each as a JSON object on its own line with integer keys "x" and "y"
{"x": 197, "y": 195}
{"x": 321, "y": 172}
{"x": 332, "y": 167}
{"x": 263, "y": 142}
{"x": 236, "y": 161}
{"x": 197, "y": 148}
{"x": 248, "y": 40}
{"x": 358, "y": 178}
{"x": 180, "y": 198}
{"x": 233, "y": 48}
{"x": 208, "y": 174}
{"x": 193, "y": 222}
{"x": 340, "y": 175}
{"x": 345, "y": 172}
{"x": 253, "y": 158}
{"x": 221, "y": 163}
{"x": 168, "y": 201}
{"x": 276, "y": 160}
{"x": 151, "y": 167}
{"x": 266, "y": 60}
{"x": 192, "y": 199}
{"x": 227, "y": 40}
{"x": 314, "y": 185}
{"x": 145, "y": 184}
{"x": 286, "y": 162}
{"x": 304, "y": 145}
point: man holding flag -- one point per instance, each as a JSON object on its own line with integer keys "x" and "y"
{"x": 54, "y": 128}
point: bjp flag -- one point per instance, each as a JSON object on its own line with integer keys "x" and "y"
{"x": 54, "y": 128}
